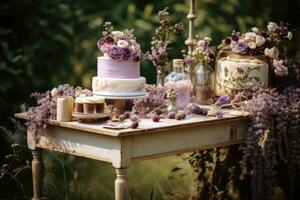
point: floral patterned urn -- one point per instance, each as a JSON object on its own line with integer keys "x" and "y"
{"x": 235, "y": 72}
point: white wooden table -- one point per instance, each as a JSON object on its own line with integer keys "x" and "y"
{"x": 121, "y": 147}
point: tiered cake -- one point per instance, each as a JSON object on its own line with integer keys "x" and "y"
{"x": 118, "y": 72}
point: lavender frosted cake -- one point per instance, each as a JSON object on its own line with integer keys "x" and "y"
{"x": 118, "y": 70}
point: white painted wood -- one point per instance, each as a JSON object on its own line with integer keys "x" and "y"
{"x": 122, "y": 158}
{"x": 30, "y": 141}
{"x": 71, "y": 141}
{"x": 187, "y": 139}
{"x": 121, "y": 186}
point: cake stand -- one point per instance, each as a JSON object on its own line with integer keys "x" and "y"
{"x": 120, "y": 100}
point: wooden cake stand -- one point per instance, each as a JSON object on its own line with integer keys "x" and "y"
{"x": 119, "y": 108}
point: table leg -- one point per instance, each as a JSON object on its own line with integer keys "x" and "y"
{"x": 37, "y": 174}
{"x": 121, "y": 186}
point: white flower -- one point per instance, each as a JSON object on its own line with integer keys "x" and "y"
{"x": 290, "y": 35}
{"x": 208, "y": 39}
{"x": 201, "y": 43}
{"x": 272, "y": 27}
{"x": 250, "y": 36}
{"x": 252, "y": 45}
{"x": 259, "y": 40}
{"x": 122, "y": 44}
{"x": 255, "y": 29}
{"x": 272, "y": 53}
{"x": 118, "y": 34}
{"x": 132, "y": 49}
{"x": 54, "y": 92}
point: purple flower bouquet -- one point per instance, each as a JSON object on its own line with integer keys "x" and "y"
{"x": 119, "y": 45}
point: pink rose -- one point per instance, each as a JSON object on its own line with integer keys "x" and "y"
{"x": 105, "y": 47}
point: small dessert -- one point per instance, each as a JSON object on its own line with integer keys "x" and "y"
{"x": 94, "y": 104}
{"x": 78, "y": 104}
{"x": 88, "y": 105}
{"x": 99, "y": 104}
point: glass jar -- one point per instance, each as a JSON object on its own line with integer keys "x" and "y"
{"x": 180, "y": 82}
{"x": 204, "y": 84}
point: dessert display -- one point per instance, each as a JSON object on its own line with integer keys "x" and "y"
{"x": 89, "y": 105}
{"x": 118, "y": 70}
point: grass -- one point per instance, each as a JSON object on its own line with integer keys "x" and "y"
{"x": 70, "y": 177}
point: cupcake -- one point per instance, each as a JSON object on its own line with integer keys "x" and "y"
{"x": 78, "y": 105}
{"x": 99, "y": 104}
{"x": 88, "y": 105}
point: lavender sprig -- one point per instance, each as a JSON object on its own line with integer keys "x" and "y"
{"x": 39, "y": 115}
{"x": 158, "y": 54}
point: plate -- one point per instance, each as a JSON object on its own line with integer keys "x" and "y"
{"x": 116, "y": 125}
{"x": 89, "y": 115}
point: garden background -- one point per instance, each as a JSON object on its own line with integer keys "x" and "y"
{"x": 46, "y": 43}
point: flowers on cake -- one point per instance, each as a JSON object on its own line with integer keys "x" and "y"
{"x": 119, "y": 45}
{"x": 262, "y": 42}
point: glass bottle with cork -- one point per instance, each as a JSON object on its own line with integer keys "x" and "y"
{"x": 180, "y": 82}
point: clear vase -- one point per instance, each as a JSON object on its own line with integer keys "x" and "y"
{"x": 204, "y": 85}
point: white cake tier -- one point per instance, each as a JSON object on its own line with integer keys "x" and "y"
{"x": 118, "y": 87}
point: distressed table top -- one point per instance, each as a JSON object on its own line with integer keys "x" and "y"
{"x": 146, "y": 125}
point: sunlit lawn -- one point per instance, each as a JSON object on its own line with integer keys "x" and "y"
{"x": 69, "y": 177}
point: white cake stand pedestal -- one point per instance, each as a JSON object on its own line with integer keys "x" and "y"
{"x": 119, "y": 108}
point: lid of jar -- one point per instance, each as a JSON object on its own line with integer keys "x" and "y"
{"x": 177, "y": 63}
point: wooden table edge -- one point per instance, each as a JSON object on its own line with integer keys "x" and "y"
{"x": 131, "y": 132}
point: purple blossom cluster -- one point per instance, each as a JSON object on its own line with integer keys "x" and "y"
{"x": 203, "y": 52}
{"x": 223, "y": 100}
{"x": 145, "y": 105}
{"x": 273, "y": 137}
{"x": 161, "y": 39}
{"x": 254, "y": 41}
{"x": 119, "y": 45}
{"x": 39, "y": 115}
{"x": 157, "y": 55}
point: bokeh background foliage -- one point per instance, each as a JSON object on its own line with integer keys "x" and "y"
{"x": 46, "y": 43}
